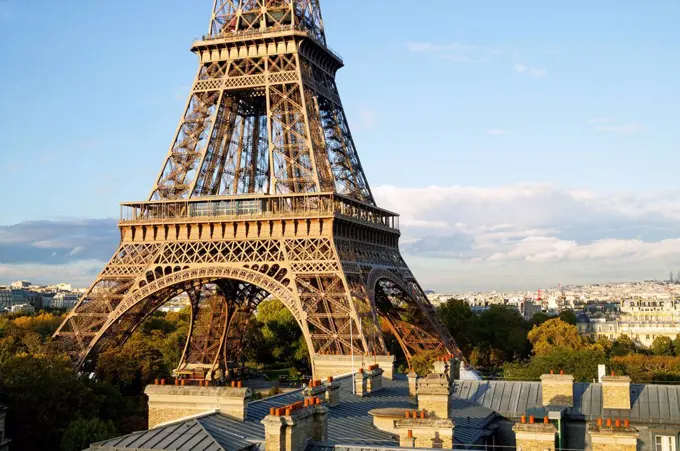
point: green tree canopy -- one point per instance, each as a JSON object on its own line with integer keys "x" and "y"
{"x": 460, "y": 321}
{"x": 80, "y": 433}
{"x": 662, "y": 345}
{"x": 581, "y": 363}
{"x": 568, "y": 316}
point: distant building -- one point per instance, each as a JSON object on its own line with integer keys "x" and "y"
{"x": 22, "y": 308}
{"x": 5, "y": 298}
{"x": 64, "y": 300}
{"x": 64, "y": 287}
{"x": 641, "y": 320}
{"x": 20, "y": 284}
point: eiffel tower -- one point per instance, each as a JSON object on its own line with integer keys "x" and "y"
{"x": 261, "y": 194}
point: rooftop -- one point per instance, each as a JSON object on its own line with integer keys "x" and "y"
{"x": 349, "y": 424}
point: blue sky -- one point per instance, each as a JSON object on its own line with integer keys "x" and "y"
{"x": 568, "y": 111}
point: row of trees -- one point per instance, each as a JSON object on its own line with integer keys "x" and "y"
{"x": 52, "y": 406}
{"x": 496, "y": 336}
{"x": 507, "y": 346}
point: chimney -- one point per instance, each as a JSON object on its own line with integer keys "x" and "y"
{"x": 374, "y": 382}
{"x": 535, "y": 435}
{"x": 361, "y": 383}
{"x": 605, "y": 436}
{"x": 315, "y": 388}
{"x": 412, "y": 384}
{"x": 332, "y": 392}
{"x": 292, "y": 427}
{"x": 454, "y": 369}
{"x": 616, "y": 392}
{"x": 601, "y": 371}
{"x": 440, "y": 366}
{"x": 558, "y": 389}
{"x": 421, "y": 430}
{"x": 434, "y": 395}
{"x": 171, "y": 402}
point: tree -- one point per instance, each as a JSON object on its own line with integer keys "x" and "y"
{"x": 676, "y": 345}
{"x": 80, "y": 433}
{"x": 502, "y": 330}
{"x": 133, "y": 366}
{"x": 44, "y": 395}
{"x": 461, "y": 322}
{"x": 281, "y": 339}
{"x": 623, "y": 345}
{"x": 662, "y": 345}
{"x": 582, "y": 364}
{"x": 422, "y": 363}
{"x": 568, "y": 316}
{"x": 554, "y": 333}
{"x": 539, "y": 318}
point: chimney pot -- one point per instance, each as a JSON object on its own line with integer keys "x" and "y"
{"x": 414, "y": 414}
{"x": 422, "y": 414}
{"x": 609, "y": 422}
{"x": 272, "y": 411}
{"x": 330, "y": 378}
{"x": 531, "y": 419}
{"x": 546, "y": 420}
{"x": 407, "y": 414}
{"x": 561, "y": 372}
{"x": 233, "y": 384}
{"x": 176, "y": 381}
{"x": 289, "y": 411}
{"x": 155, "y": 381}
{"x": 183, "y": 382}
{"x": 552, "y": 371}
{"x": 410, "y": 433}
{"x": 523, "y": 420}
{"x": 626, "y": 423}
{"x": 618, "y": 423}
{"x": 239, "y": 384}
{"x": 162, "y": 381}
{"x": 599, "y": 422}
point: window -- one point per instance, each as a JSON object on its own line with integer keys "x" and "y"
{"x": 665, "y": 443}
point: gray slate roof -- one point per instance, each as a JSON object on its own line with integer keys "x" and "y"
{"x": 199, "y": 434}
{"x": 651, "y": 404}
{"x": 349, "y": 424}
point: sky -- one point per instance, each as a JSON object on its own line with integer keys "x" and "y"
{"x": 524, "y": 143}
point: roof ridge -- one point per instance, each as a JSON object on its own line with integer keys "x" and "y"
{"x": 194, "y": 416}
{"x": 214, "y": 440}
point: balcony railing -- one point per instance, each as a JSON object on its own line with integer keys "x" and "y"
{"x": 256, "y": 207}
{"x": 254, "y": 34}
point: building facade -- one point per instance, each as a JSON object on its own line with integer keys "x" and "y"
{"x": 641, "y": 320}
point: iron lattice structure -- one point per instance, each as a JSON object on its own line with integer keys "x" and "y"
{"x": 262, "y": 193}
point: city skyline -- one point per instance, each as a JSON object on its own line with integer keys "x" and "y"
{"x": 528, "y": 169}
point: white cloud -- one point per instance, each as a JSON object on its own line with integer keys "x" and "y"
{"x": 534, "y": 233}
{"x": 453, "y": 237}
{"x": 624, "y": 128}
{"x": 530, "y": 71}
{"x": 495, "y": 131}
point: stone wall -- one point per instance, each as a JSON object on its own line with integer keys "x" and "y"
{"x": 169, "y": 402}
{"x": 426, "y": 432}
{"x": 434, "y": 395}
{"x": 558, "y": 389}
{"x": 616, "y": 392}
{"x": 337, "y": 365}
{"x": 603, "y": 438}
{"x": 535, "y": 437}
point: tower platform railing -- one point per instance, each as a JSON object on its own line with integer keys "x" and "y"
{"x": 240, "y": 207}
